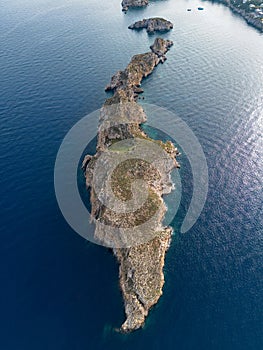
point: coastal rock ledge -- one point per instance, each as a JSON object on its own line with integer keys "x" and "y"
{"x": 140, "y": 260}
{"x": 155, "y": 24}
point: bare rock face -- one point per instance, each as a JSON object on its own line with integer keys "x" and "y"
{"x": 152, "y": 25}
{"x": 133, "y": 3}
{"x": 140, "y": 260}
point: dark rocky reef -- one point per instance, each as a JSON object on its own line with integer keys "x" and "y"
{"x": 156, "y": 24}
{"x": 140, "y": 261}
{"x": 133, "y": 3}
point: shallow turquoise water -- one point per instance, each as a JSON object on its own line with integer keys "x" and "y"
{"x": 60, "y": 292}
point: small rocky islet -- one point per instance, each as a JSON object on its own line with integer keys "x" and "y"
{"x": 140, "y": 264}
{"x": 126, "y": 4}
{"x": 152, "y": 25}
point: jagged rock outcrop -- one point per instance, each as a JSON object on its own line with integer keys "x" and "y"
{"x": 138, "y": 237}
{"x": 160, "y": 47}
{"x": 156, "y": 24}
{"x": 126, "y": 84}
{"x": 133, "y": 3}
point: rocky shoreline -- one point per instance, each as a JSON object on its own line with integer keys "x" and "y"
{"x": 251, "y": 20}
{"x": 140, "y": 264}
{"x": 249, "y": 17}
{"x": 155, "y": 24}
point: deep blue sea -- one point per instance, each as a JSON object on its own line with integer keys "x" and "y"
{"x": 60, "y": 292}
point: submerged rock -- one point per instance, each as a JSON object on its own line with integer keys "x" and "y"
{"x": 152, "y": 25}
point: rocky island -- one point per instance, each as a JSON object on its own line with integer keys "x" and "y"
{"x": 133, "y": 3}
{"x": 156, "y": 24}
{"x": 141, "y": 261}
